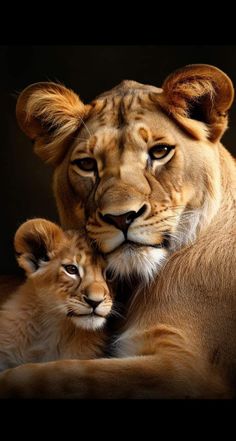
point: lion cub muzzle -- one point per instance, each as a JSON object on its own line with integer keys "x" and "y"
{"x": 96, "y": 296}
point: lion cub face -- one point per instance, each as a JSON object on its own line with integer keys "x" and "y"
{"x": 66, "y": 276}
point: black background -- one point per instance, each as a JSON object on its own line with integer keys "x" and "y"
{"x": 25, "y": 181}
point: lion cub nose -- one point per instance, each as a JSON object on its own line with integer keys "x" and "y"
{"x": 93, "y": 303}
{"x": 94, "y": 295}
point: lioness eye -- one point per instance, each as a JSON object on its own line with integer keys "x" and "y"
{"x": 86, "y": 164}
{"x": 71, "y": 269}
{"x": 160, "y": 151}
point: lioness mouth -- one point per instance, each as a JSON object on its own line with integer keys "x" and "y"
{"x": 130, "y": 245}
{"x": 164, "y": 244}
{"x": 137, "y": 244}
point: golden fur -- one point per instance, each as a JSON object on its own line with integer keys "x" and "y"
{"x": 157, "y": 166}
{"x": 8, "y": 285}
{"x": 48, "y": 317}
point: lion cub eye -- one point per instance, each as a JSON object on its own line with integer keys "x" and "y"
{"x": 160, "y": 151}
{"x": 86, "y": 164}
{"x": 71, "y": 269}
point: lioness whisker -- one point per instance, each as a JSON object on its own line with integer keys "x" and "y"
{"x": 85, "y": 125}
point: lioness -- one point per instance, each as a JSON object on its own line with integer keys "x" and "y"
{"x": 61, "y": 308}
{"x": 144, "y": 170}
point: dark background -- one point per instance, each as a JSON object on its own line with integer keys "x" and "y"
{"x": 25, "y": 181}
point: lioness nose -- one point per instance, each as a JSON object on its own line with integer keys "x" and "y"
{"x": 93, "y": 303}
{"x": 123, "y": 221}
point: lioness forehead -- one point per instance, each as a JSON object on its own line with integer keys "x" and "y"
{"x": 121, "y": 114}
{"x": 117, "y": 106}
{"x": 123, "y": 111}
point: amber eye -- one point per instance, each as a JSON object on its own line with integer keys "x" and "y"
{"x": 160, "y": 151}
{"x": 71, "y": 269}
{"x": 86, "y": 164}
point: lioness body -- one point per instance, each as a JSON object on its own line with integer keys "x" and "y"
{"x": 156, "y": 191}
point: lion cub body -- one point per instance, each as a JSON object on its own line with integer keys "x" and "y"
{"x": 47, "y": 318}
{"x": 31, "y": 333}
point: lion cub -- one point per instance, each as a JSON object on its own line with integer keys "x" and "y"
{"x": 60, "y": 309}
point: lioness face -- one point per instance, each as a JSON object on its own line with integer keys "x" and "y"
{"x": 137, "y": 177}
{"x": 139, "y": 166}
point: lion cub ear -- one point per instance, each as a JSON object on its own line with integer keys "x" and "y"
{"x": 199, "y": 93}
{"x": 49, "y": 113}
{"x": 35, "y": 241}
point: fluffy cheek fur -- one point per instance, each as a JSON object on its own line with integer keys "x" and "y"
{"x": 144, "y": 262}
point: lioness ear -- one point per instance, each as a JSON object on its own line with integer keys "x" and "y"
{"x": 35, "y": 241}
{"x": 199, "y": 92}
{"x": 49, "y": 113}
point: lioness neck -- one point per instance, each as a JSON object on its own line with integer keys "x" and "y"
{"x": 228, "y": 176}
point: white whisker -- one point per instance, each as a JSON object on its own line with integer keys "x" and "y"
{"x": 85, "y": 125}
{"x": 115, "y": 313}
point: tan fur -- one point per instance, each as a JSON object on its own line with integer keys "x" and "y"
{"x": 38, "y": 322}
{"x": 52, "y": 112}
{"x": 8, "y": 285}
{"x": 178, "y": 337}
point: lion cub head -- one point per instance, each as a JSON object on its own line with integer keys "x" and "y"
{"x": 64, "y": 273}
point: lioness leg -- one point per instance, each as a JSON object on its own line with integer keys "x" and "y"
{"x": 156, "y": 376}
